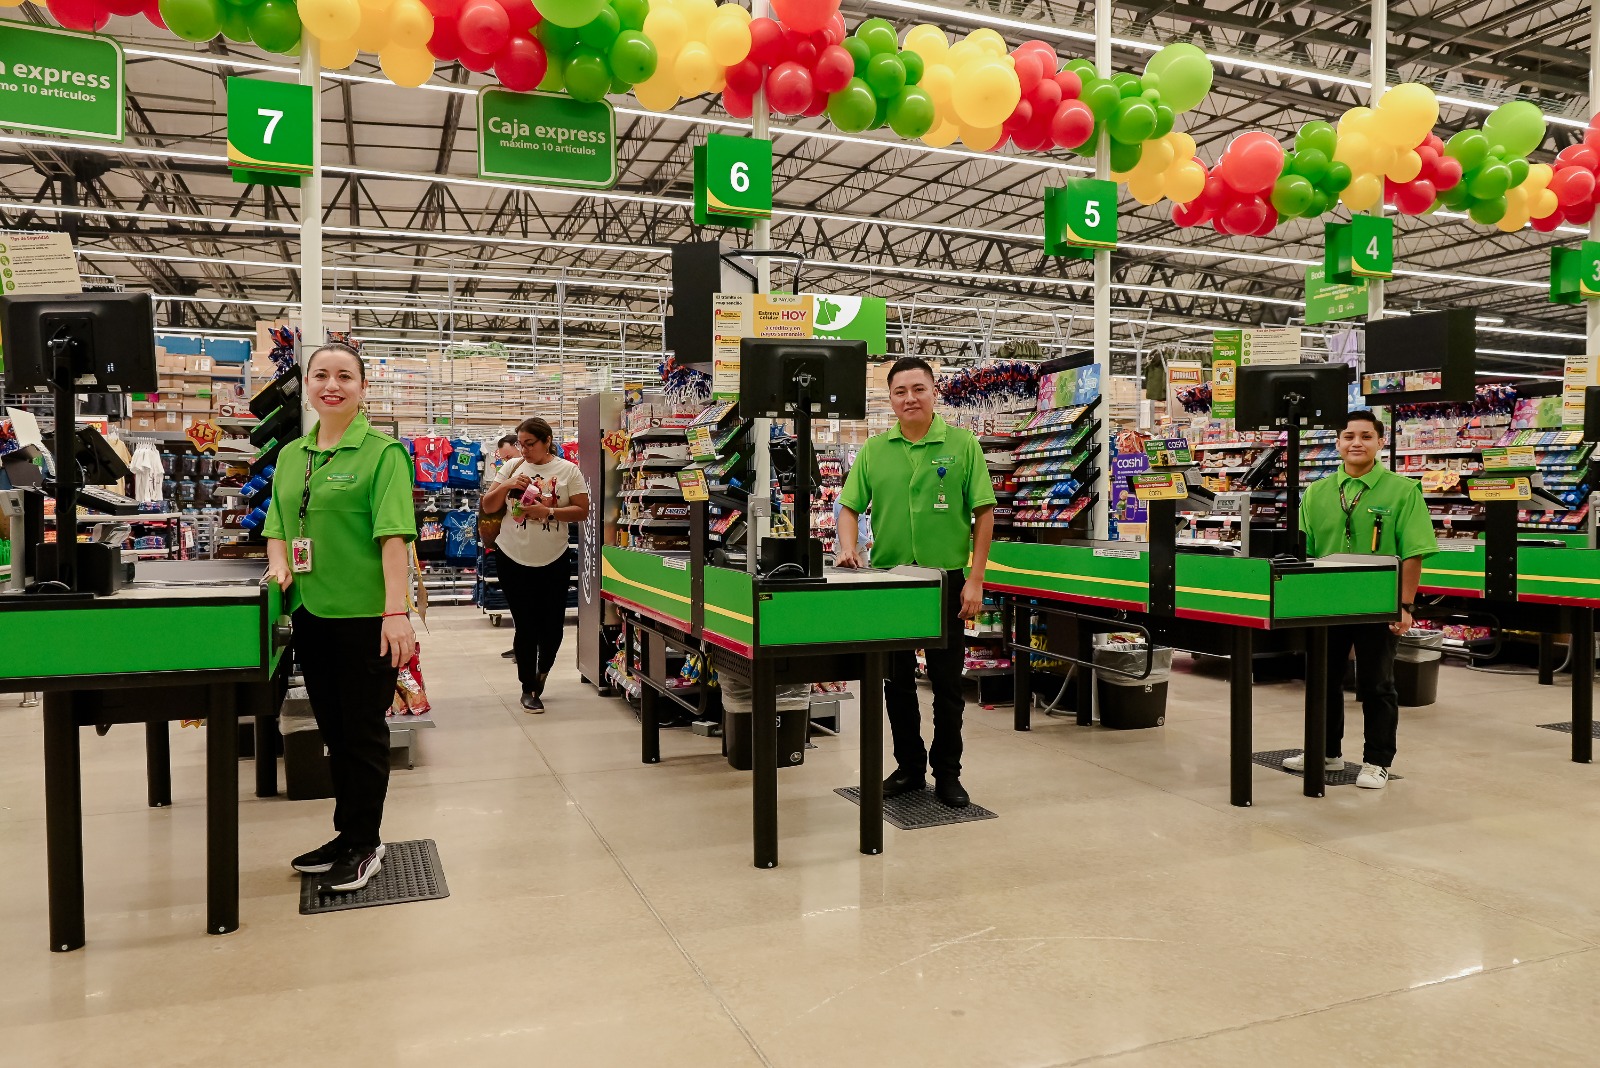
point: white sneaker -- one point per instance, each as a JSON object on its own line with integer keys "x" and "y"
{"x": 1372, "y": 777}
{"x": 1298, "y": 763}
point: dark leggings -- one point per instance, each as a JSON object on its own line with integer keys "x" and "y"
{"x": 537, "y": 597}
{"x": 351, "y": 688}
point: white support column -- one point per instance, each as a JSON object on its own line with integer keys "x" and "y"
{"x": 1099, "y": 516}
{"x": 311, "y": 216}
{"x": 759, "y": 522}
{"x": 1592, "y": 307}
{"x": 1380, "y": 79}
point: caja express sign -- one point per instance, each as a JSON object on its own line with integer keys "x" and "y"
{"x": 56, "y": 81}
{"x": 546, "y": 138}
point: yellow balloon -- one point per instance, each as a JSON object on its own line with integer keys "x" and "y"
{"x": 728, "y": 37}
{"x": 1157, "y": 156}
{"x": 980, "y": 139}
{"x": 697, "y": 15}
{"x": 665, "y": 26}
{"x": 11, "y": 3}
{"x": 964, "y": 53}
{"x": 337, "y": 55}
{"x": 1356, "y": 120}
{"x": 1409, "y": 112}
{"x": 1183, "y": 145}
{"x": 695, "y": 72}
{"x": 985, "y": 95}
{"x": 330, "y": 20}
{"x": 407, "y": 66}
{"x": 942, "y": 136}
{"x": 1405, "y": 167}
{"x": 927, "y": 41}
{"x": 1146, "y": 188}
{"x": 733, "y": 11}
{"x": 373, "y": 33}
{"x": 1538, "y": 179}
{"x": 989, "y": 40}
{"x": 1185, "y": 181}
{"x": 660, "y": 93}
{"x": 1354, "y": 149}
{"x": 938, "y": 81}
{"x": 1544, "y": 205}
{"x": 410, "y": 24}
{"x": 1363, "y": 192}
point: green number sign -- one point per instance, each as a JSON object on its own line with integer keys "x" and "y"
{"x": 269, "y": 127}
{"x": 738, "y": 176}
{"x": 56, "y": 81}
{"x": 546, "y": 137}
{"x": 1589, "y": 269}
{"x": 1360, "y": 248}
{"x": 1326, "y": 302}
{"x": 1566, "y": 269}
{"x": 701, "y": 212}
{"x": 1091, "y": 212}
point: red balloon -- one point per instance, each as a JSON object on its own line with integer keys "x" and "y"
{"x": 1191, "y": 214}
{"x": 152, "y": 11}
{"x": 125, "y": 8}
{"x": 1267, "y": 223}
{"x": 1072, "y": 124}
{"x": 1549, "y": 222}
{"x": 1579, "y": 213}
{"x": 1245, "y": 215}
{"x": 767, "y": 45}
{"x": 1592, "y": 134}
{"x": 1250, "y": 165}
{"x": 521, "y": 65}
{"x": 1029, "y": 70}
{"x": 1030, "y": 138}
{"x": 1071, "y": 85}
{"x": 1446, "y": 173}
{"x": 1415, "y": 197}
{"x": 484, "y": 27}
{"x": 819, "y": 104}
{"x": 445, "y": 44}
{"x": 1046, "y": 97}
{"x": 789, "y": 88}
{"x": 1216, "y": 195}
{"x": 85, "y": 15}
{"x": 834, "y": 31}
{"x": 1219, "y": 224}
{"x": 475, "y": 61}
{"x": 1021, "y": 115}
{"x": 833, "y": 70}
{"x": 522, "y": 15}
{"x": 1042, "y": 49}
{"x": 1572, "y": 185}
{"x": 744, "y": 77}
{"x": 737, "y": 103}
{"x": 805, "y": 15}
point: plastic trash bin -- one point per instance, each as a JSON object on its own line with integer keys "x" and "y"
{"x": 1416, "y": 667}
{"x": 794, "y": 722}
{"x": 1128, "y": 703}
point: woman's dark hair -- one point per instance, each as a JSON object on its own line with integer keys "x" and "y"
{"x": 343, "y": 349}
{"x": 509, "y": 439}
{"x": 537, "y": 429}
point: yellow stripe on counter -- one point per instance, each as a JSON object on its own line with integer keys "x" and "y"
{"x": 608, "y": 570}
{"x": 1008, "y": 569}
{"x": 1225, "y": 593}
{"x": 1559, "y": 578}
{"x": 1442, "y": 571}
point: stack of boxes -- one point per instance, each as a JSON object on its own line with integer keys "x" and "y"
{"x": 190, "y": 388}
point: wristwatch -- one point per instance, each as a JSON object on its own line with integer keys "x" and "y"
{"x": 1409, "y": 606}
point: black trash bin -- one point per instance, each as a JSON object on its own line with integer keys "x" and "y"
{"x": 794, "y": 723}
{"x": 1416, "y": 667}
{"x": 1129, "y": 703}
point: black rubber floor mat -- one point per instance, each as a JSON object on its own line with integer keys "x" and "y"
{"x": 1566, "y": 728}
{"x": 410, "y": 872}
{"x": 912, "y": 812}
{"x": 1274, "y": 758}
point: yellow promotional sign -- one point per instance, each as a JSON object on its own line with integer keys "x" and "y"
{"x": 1499, "y": 489}
{"x": 1160, "y": 486}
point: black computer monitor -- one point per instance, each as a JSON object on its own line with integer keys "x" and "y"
{"x": 108, "y": 337}
{"x": 1426, "y": 356}
{"x": 772, "y": 373}
{"x": 1310, "y": 396}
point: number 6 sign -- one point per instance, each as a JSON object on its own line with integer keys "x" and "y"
{"x": 269, "y": 126}
{"x": 738, "y": 176}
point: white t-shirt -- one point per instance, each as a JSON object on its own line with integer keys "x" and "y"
{"x": 533, "y": 543}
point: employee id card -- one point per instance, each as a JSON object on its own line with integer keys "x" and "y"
{"x": 300, "y": 556}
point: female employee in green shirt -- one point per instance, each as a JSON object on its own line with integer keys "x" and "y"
{"x": 1365, "y": 508}
{"x": 338, "y": 533}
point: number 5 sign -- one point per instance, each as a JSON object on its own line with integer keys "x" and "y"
{"x": 738, "y": 176}
{"x": 1081, "y": 217}
{"x": 269, "y": 127}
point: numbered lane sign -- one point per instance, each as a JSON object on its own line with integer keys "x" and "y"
{"x": 1360, "y": 248}
{"x": 269, "y": 126}
{"x": 1566, "y": 276}
{"x": 1589, "y": 269}
{"x": 1080, "y": 218}
{"x": 738, "y": 176}
{"x": 701, "y": 213}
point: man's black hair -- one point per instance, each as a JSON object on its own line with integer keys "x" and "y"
{"x": 910, "y": 363}
{"x": 1363, "y": 415}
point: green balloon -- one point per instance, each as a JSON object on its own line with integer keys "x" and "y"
{"x": 1292, "y": 195}
{"x": 599, "y": 32}
{"x": 1469, "y": 148}
{"x": 1166, "y": 118}
{"x": 1082, "y": 68}
{"x": 587, "y": 75}
{"x": 1519, "y": 171}
{"x": 633, "y": 57}
{"x": 1488, "y": 212}
{"x": 853, "y": 108}
{"x": 1133, "y": 122}
{"x": 275, "y": 25}
{"x": 915, "y": 66}
{"x": 1518, "y": 126}
{"x": 1456, "y": 198}
{"x": 886, "y": 75}
{"x": 1309, "y": 163}
{"x": 1317, "y": 136}
{"x": 631, "y": 13}
{"x": 1102, "y": 97}
{"x": 879, "y": 36}
{"x": 570, "y": 13}
{"x": 620, "y": 86}
{"x": 860, "y": 52}
{"x": 880, "y": 114}
{"x": 1489, "y": 182}
{"x": 553, "y": 81}
{"x": 1127, "y": 84}
{"x": 1183, "y": 73}
{"x": 557, "y": 40}
{"x": 1339, "y": 177}
{"x": 1320, "y": 203}
{"x": 911, "y": 113}
{"x": 1125, "y": 157}
{"x": 235, "y": 23}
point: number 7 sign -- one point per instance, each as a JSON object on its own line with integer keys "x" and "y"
{"x": 269, "y": 127}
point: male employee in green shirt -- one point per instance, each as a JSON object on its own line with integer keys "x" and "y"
{"x": 1367, "y": 509}
{"x": 932, "y": 505}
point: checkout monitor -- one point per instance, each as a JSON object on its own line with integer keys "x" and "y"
{"x": 1309, "y": 396}
{"x": 772, "y": 372}
{"x": 109, "y": 337}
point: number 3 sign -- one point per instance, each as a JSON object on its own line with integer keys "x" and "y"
{"x": 269, "y": 126}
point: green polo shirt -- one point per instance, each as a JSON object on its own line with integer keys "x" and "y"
{"x": 360, "y": 492}
{"x": 902, "y": 483}
{"x": 1406, "y": 530}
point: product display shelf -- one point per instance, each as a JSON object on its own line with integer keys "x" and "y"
{"x": 1056, "y": 472}
{"x": 823, "y": 523}
{"x": 654, "y": 514}
{"x": 1562, "y": 457}
{"x": 1441, "y": 451}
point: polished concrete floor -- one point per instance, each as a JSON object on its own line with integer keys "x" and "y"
{"x": 603, "y": 912}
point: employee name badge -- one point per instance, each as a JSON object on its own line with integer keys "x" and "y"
{"x": 300, "y": 556}
{"x": 941, "y": 504}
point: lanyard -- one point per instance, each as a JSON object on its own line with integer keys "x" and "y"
{"x": 305, "y": 495}
{"x": 1349, "y": 513}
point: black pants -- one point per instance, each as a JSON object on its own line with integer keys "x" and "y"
{"x": 537, "y": 597}
{"x": 1375, "y": 647}
{"x": 351, "y": 687}
{"x": 944, "y": 675}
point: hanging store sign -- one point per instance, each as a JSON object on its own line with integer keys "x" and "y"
{"x": 546, "y": 137}
{"x": 1360, "y": 248}
{"x": 1328, "y": 301}
{"x": 852, "y": 319}
{"x": 736, "y": 176}
{"x": 37, "y": 261}
{"x": 269, "y": 128}
{"x": 56, "y": 81}
{"x": 1080, "y": 218}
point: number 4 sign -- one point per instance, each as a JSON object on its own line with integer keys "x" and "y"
{"x": 1361, "y": 248}
{"x": 269, "y": 130}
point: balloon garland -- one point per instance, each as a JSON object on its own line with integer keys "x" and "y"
{"x": 924, "y": 86}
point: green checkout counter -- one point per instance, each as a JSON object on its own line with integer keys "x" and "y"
{"x": 773, "y": 632}
{"x": 190, "y": 640}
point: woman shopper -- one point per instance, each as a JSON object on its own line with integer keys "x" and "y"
{"x": 541, "y": 496}
{"x": 338, "y": 534}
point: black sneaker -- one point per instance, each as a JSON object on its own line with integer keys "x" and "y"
{"x": 951, "y": 793}
{"x": 353, "y": 870}
{"x": 509, "y": 654}
{"x": 319, "y": 859}
{"x": 532, "y": 703}
{"x": 903, "y": 782}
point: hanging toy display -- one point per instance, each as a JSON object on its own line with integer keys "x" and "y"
{"x": 1000, "y": 384}
{"x": 684, "y": 386}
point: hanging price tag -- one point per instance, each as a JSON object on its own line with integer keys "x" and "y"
{"x": 1160, "y": 486}
{"x": 1499, "y": 489}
